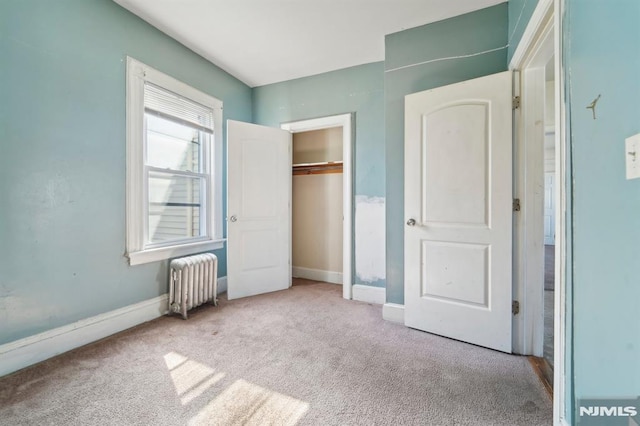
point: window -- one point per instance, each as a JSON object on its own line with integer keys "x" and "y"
{"x": 174, "y": 167}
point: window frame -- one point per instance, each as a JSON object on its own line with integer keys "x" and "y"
{"x": 139, "y": 249}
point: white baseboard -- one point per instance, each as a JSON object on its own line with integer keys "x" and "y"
{"x": 39, "y": 347}
{"x": 33, "y": 349}
{"x": 393, "y": 312}
{"x": 317, "y": 275}
{"x": 369, "y": 294}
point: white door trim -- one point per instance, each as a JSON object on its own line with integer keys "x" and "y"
{"x": 540, "y": 16}
{"x": 344, "y": 121}
{"x": 528, "y": 181}
{"x": 530, "y": 52}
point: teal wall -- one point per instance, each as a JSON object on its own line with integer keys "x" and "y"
{"x": 602, "y": 42}
{"x": 520, "y": 12}
{"x": 418, "y": 59}
{"x": 62, "y": 157}
{"x": 358, "y": 90}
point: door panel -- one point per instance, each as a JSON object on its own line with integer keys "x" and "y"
{"x": 447, "y": 173}
{"x": 449, "y": 263}
{"x": 458, "y": 195}
{"x": 259, "y": 193}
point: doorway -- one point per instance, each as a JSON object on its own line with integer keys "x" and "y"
{"x": 316, "y": 205}
{"x": 549, "y": 213}
{"x": 541, "y": 181}
{"x": 327, "y": 161}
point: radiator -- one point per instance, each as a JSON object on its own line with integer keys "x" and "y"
{"x": 192, "y": 282}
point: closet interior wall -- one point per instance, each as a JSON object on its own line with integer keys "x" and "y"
{"x": 317, "y": 205}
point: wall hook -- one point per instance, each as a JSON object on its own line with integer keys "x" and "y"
{"x": 592, "y": 106}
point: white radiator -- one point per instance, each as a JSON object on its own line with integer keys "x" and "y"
{"x": 193, "y": 280}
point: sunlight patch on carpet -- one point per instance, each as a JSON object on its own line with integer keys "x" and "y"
{"x": 190, "y": 378}
{"x": 245, "y": 403}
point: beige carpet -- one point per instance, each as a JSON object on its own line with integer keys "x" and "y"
{"x": 301, "y": 356}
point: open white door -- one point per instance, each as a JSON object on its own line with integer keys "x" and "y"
{"x": 458, "y": 207}
{"x": 258, "y": 212}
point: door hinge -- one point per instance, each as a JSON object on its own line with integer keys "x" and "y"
{"x": 516, "y": 204}
{"x": 515, "y": 307}
{"x": 516, "y": 102}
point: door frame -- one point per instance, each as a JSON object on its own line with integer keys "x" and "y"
{"x": 540, "y": 41}
{"x": 344, "y": 121}
{"x": 552, "y": 175}
{"x": 528, "y": 181}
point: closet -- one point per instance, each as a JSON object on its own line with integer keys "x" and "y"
{"x": 317, "y": 205}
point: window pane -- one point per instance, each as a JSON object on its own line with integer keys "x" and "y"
{"x": 174, "y": 207}
{"x": 172, "y": 146}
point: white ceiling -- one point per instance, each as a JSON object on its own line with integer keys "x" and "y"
{"x": 268, "y": 41}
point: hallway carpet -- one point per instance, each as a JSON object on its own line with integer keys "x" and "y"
{"x": 300, "y": 356}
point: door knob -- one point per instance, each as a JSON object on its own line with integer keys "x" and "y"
{"x": 411, "y": 222}
{"x": 233, "y": 218}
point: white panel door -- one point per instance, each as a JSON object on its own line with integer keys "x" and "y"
{"x": 258, "y": 213}
{"x": 458, "y": 208}
{"x": 549, "y": 209}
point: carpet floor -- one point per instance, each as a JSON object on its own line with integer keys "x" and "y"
{"x": 302, "y": 356}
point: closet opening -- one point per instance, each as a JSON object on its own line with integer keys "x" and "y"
{"x": 317, "y": 205}
{"x": 321, "y": 202}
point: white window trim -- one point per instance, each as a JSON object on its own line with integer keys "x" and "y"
{"x": 136, "y": 252}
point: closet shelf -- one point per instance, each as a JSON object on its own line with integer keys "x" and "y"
{"x": 317, "y": 168}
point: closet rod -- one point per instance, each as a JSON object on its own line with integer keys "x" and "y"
{"x": 317, "y": 168}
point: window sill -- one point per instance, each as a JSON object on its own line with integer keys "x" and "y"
{"x": 164, "y": 253}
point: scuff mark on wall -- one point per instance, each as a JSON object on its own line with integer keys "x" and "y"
{"x": 370, "y": 240}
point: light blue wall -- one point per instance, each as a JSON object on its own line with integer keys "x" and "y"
{"x": 602, "y": 41}
{"x": 356, "y": 90}
{"x": 415, "y": 61}
{"x": 520, "y": 12}
{"x": 62, "y": 157}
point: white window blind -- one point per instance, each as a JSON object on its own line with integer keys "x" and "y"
{"x": 173, "y": 107}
